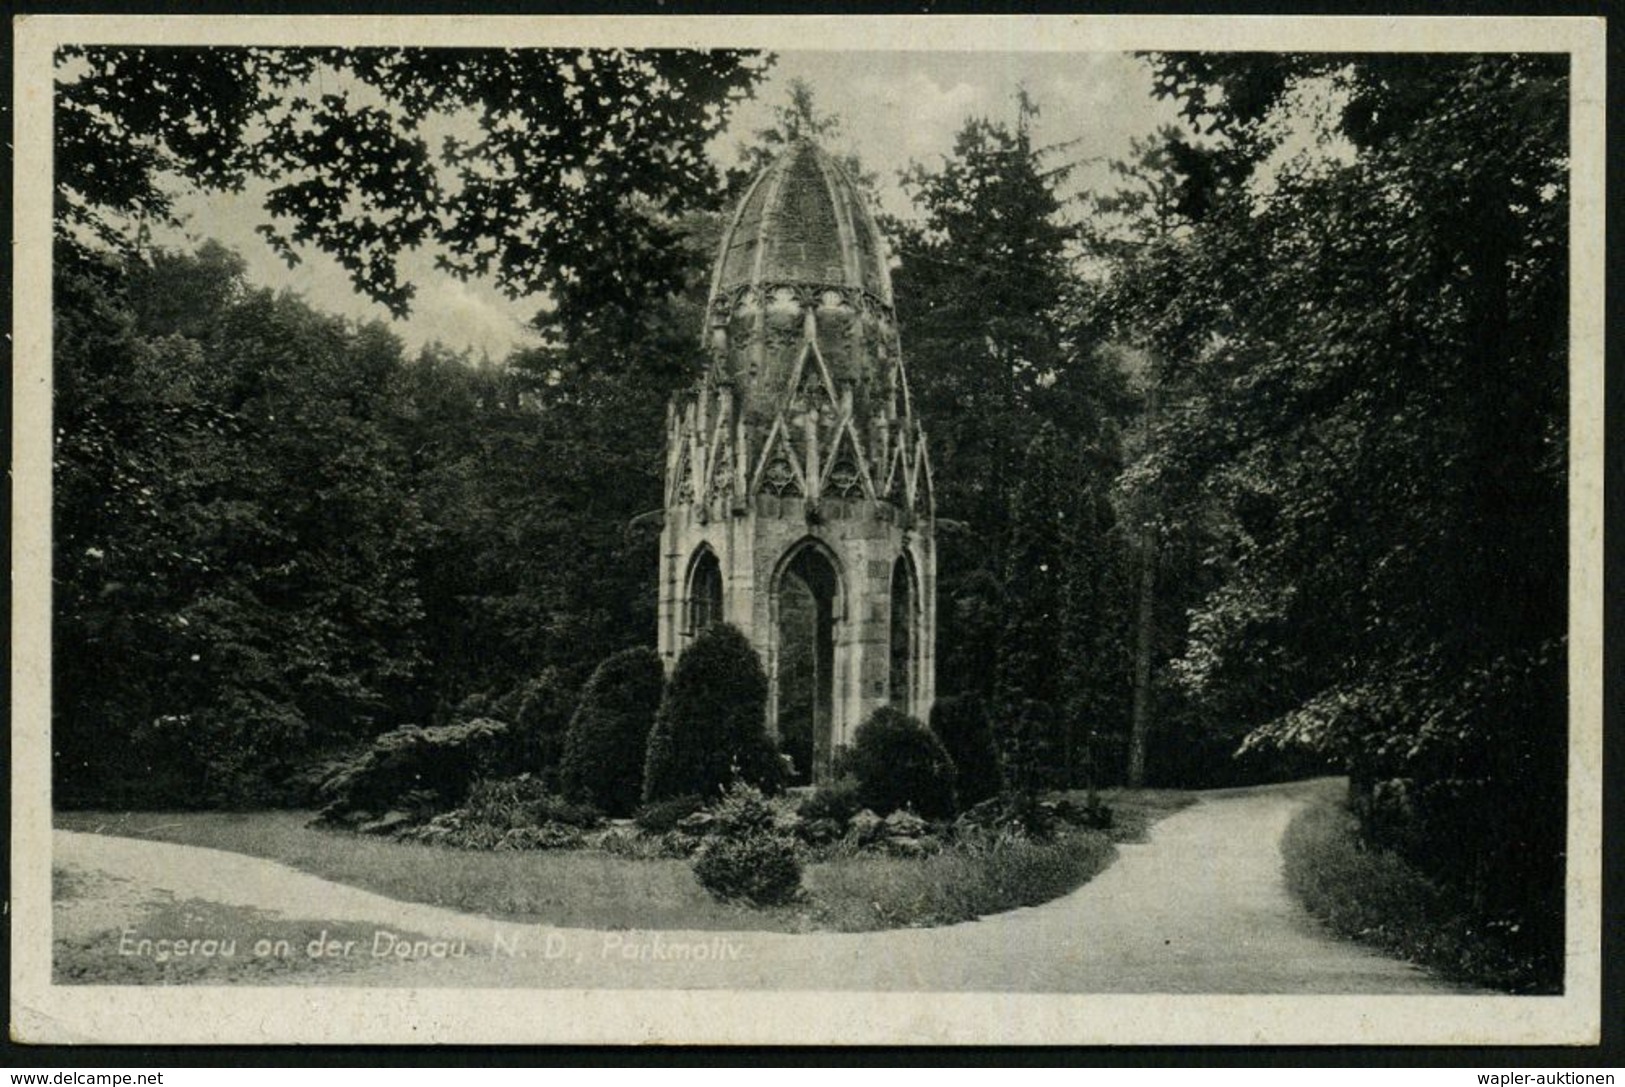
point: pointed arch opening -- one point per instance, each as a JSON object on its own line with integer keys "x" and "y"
{"x": 704, "y": 597}
{"x": 905, "y": 637}
{"x": 807, "y": 593}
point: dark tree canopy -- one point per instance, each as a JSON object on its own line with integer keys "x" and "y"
{"x": 1363, "y": 359}
{"x": 572, "y": 166}
{"x": 1020, "y": 406}
{"x": 233, "y": 571}
{"x": 961, "y": 723}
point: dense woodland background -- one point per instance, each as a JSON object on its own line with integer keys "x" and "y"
{"x": 1258, "y": 451}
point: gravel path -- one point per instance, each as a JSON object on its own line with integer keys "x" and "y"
{"x": 1199, "y": 908}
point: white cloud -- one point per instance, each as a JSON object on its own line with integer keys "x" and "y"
{"x": 472, "y": 315}
{"x": 901, "y": 107}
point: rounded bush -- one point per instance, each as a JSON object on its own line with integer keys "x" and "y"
{"x": 961, "y": 723}
{"x": 608, "y": 738}
{"x": 442, "y": 762}
{"x": 710, "y": 727}
{"x": 837, "y": 801}
{"x": 900, "y": 763}
{"x": 761, "y": 869}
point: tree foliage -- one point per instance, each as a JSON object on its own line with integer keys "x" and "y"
{"x": 981, "y": 279}
{"x": 527, "y": 483}
{"x": 275, "y": 535}
{"x": 961, "y": 723}
{"x": 556, "y": 170}
{"x": 797, "y": 118}
{"x": 1364, "y": 351}
{"x": 1021, "y": 406}
{"x": 1065, "y": 581}
{"x": 233, "y": 569}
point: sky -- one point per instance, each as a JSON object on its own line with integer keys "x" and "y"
{"x": 896, "y": 108}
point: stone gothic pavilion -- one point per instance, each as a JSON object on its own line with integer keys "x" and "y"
{"x": 798, "y": 500}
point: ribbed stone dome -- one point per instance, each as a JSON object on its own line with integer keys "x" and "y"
{"x": 802, "y": 261}
{"x": 803, "y": 221}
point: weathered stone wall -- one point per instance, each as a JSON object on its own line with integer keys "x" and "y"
{"x": 862, "y": 540}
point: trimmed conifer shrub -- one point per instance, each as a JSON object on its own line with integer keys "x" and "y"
{"x": 608, "y": 738}
{"x": 541, "y": 709}
{"x": 1031, "y": 746}
{"x": 900, "y": 763}
{"x": 961, "y": 723}
{"x": 711, "y": 721}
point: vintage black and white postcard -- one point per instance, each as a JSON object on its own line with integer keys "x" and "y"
{"x": 807, "y": 529}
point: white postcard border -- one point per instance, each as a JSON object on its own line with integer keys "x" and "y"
{"x": 43, "y": 1012}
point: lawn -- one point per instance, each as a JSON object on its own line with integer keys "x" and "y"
{"x": 570, "y": 888}
{"x": 865, "y": 892}
{"x": 219, "y": 949}
{"x": 592, "y": 889}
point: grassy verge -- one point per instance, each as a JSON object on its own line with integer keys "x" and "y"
{"x": 1135, "y": 811}
{"x": 866, "y": 892}
{"x": 594, "y": 889}
{"x": 205, "y": 943}
{"x": 1377, "y": 898}
{"x": 571, "y": 888}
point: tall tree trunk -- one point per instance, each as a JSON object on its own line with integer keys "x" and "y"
{"x": 1144, "y": 636}
{"x": 1145, "y": 617}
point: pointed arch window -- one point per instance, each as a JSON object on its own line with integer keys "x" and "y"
{"x": 704, "y": 591}
{"x": 904, "y": 638}
{"x": 807, "y": 591}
